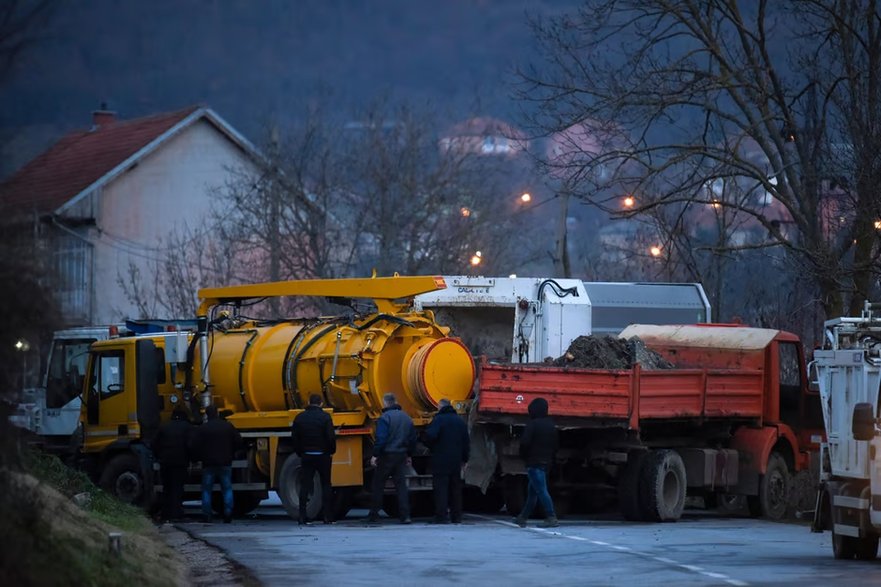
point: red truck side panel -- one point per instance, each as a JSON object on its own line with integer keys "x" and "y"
{"x": 630, "y": 395}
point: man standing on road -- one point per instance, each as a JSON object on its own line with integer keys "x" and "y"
{"x": 171, "y": 448}
{"x": 215, "y": 443}
{"x": 315, "y": 442}
{"x": 395, "y": 442}
{"x": 538, "y": 445}
{"x": 447, "y": 436}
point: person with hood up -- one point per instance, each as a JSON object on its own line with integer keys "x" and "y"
{"x": 395, "y": 443}
{"x": 447, "y": 436}
{"x": 538, "y": 445}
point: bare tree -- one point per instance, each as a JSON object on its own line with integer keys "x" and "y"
{"x": 744, "y": 93}
{"x": 21, "y": 23}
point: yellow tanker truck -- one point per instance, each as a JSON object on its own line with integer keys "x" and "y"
{"x": 261, "y": 373}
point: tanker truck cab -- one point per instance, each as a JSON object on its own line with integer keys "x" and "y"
{"x": 121, "y": 412}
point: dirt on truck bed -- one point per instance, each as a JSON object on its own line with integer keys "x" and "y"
{"x": 606, "y": 352}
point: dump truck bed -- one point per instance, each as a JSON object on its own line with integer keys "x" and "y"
{"x": 627, "y": 397}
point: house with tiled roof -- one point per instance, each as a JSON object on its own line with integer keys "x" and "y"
{"x": 104, "y": 200}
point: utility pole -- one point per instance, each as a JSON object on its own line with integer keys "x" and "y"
{"x": 561, "y": 254}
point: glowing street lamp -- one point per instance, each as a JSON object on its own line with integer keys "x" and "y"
{"x": 878, "y": 225}
{"x": 655, "y": 251}
{"x": 476, "y": 258}
{"x": 465, "y": 211}
{"x": 526, "y": 197}
{"x": 629, "y": 202}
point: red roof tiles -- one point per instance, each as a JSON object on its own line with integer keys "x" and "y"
{"x": 80, "y": 159}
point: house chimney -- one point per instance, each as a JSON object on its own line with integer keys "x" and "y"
{"x": 102, "y": 117}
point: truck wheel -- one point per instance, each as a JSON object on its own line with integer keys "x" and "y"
{"x": 243, "y": 502}
{"x": 122, "y": 478}
{"x": 628, "y": 487}
{"x": 514, "y": 493}
{"x": 289, "y": 490}
{"x": 867, "y": 548}
{"x": 343, "y": 499}
{"x": 844, "y": 547}
{"x": 474, "y": 500}
{"x": 772, "y": 500}
{"x": 663, "y": 486}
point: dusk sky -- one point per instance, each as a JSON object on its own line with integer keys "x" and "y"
{"x": 255, "y": 61}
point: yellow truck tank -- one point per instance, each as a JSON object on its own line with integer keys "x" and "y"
{"x": 350, "y": 363}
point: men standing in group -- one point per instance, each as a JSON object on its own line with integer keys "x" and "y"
{"x": 538, "y": 445}
{"x": 215, "y": 443}
{"x": 447, "y": 436}
{"x": 314, "y": 441}
{"x": 171, "y": 449}
{"x": 395, "y": 443}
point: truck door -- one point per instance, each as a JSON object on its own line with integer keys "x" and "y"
{"x": 107, "y": 403}
{"x": 790, "y": 385}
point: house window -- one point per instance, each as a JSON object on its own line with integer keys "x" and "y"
{"x": 72, "y": 262}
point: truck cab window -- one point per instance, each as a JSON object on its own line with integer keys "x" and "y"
{"x": 67, "y": 365}
{"x": 790, "y": 382}
{"x": 111, "y": 374}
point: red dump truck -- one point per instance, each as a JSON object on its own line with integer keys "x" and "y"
{"x": 735, "y": 416}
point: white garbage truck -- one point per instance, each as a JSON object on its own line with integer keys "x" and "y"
{"x": 848, "y": 373}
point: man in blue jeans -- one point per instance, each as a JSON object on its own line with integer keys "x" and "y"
{"x": 215, "y": 443}
{"x": 538, "y": 445}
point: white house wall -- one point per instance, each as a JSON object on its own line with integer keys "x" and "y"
{"x": 170, "y": 189}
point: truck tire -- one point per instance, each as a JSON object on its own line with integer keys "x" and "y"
{"x": 289, "y": 490}
{"x": 474, "y": 500}
{"x": 628, "y": 487}
{"x": 343, "y": 500}
{"x": 663, "y": 483}
{"x": 867, "y": 548}
{"x": 243, "y": 502}
{"x": 514, "y": 492}
{"x": 773, "y": 498}
{"x": 123, "y": 479}
{"x": 843, "y": 547}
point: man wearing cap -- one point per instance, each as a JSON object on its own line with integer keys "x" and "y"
{"x": 394, "y": 445}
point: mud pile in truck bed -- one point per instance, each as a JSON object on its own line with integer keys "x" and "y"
{"x": 606, "y": 352}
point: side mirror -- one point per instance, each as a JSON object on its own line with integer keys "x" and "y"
{"x": 863, "y": 424}
{"x": 813, "y": 378}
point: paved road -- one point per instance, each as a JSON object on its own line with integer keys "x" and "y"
{"x": 488, "y": 550}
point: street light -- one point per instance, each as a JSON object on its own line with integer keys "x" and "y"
{"x": 23, "y": 346}
{"x": 526, "y": 197}
{"x": 629, "y": 202}
{"x": 465, "y": 211}
{"x": 655, "y": 251}
{"x": 476, "y": 258}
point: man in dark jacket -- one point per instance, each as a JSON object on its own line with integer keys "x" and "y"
{"x": 395, "y": 443}
{"x": 171, "y": 449}
{"x": 538, "y": 445}
{"x": 315, "y": 442}
{"x": 215, "y": 443}
{"x": 447, "y": 436}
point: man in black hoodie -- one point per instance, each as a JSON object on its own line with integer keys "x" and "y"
{"x": 170, "y": 446}
{"x": 315, "y": 442}
{"x": 447, "y": 436}
{"x": 538, "y": 445}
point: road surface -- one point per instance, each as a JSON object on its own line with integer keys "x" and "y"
{"x": 700, "y": 549}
